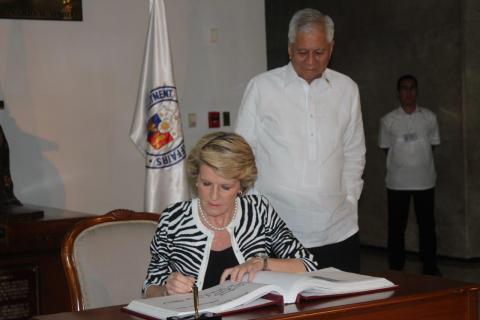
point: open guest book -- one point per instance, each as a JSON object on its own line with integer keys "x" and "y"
{"x": 268, "y": 288}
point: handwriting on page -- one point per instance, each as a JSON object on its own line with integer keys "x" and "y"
{"x": 224, "y": 290}
{"x": 208, "y": 298}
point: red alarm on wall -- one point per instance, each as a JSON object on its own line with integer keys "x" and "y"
{"x": 214, "y": 119}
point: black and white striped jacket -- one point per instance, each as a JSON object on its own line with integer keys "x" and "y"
{"x": 182, "y": 243}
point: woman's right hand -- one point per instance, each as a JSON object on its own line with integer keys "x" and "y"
{"x": 178, "y": 283}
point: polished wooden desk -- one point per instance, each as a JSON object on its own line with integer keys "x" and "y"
{"x": 30, "y": 264}
{"x": 417, "y": 297}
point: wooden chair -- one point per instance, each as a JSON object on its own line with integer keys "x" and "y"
{"x": 105, "y": 258}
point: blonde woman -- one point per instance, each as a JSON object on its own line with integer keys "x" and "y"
{"x": 223, "y": 233}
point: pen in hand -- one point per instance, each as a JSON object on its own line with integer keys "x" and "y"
{"x": 195, "y": 300}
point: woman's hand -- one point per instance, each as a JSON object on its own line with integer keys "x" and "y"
{"x": 251, "y": 266}
{"x": 178, "y": 283}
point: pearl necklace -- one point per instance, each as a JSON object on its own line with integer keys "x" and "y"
{"x": 211, "y": 226}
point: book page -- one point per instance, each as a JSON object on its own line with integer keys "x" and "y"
{"x": 218, "y": 299}
{"x": 229, "y": 295}
{"x": 291, "y": 283}
{"x": 336, "y": 275}
{"x": 324, "y": 282}
{"x": 334, "y": 281}
{"x": 349, "y": 299}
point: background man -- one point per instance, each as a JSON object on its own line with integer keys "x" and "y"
{"x": 304, "y": 123}
{"x": 408, "y": 134}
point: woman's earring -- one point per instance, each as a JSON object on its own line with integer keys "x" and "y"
{"x": 239, "y": 194}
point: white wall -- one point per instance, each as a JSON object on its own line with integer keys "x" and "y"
{"x": 70, "y": 90}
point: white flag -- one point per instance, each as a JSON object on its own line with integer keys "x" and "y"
{"x": 156, "y": 127}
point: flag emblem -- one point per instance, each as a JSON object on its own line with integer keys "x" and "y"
{"x": 163, "y": 125}
{"x": 159, "y": 132}
{"x": 165, "y": 143}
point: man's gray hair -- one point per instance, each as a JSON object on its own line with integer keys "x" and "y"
{"x": 304, "y": 20}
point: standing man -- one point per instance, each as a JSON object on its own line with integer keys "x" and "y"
{"x": 304, "y": 123}
{"x": 408, "y": 135}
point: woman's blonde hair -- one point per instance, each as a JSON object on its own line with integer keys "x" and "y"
{"x": 228, "y": 154}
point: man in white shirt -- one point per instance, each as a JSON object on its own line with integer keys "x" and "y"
{"x": 304, "y": 123}
{"x": 408, "y": 135}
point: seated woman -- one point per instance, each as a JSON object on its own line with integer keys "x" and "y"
{"x": 222, "y": 234}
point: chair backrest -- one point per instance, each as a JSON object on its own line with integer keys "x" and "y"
{"x": 106, "y": 258}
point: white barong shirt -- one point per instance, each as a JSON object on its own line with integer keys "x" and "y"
{"x": 309, "y": 146}
{"x": 409, "y": 139}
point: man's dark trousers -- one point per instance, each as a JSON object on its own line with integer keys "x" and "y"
{"x": 398, "y": 208}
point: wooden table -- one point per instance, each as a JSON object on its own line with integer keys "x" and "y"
{"x": 30, "y": 263}
{"x": 417, "y": 297}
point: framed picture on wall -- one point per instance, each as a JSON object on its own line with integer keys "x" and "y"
{"x": 67, "y": 10}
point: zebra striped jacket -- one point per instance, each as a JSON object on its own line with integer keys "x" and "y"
{"x": 182, "y": 243}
